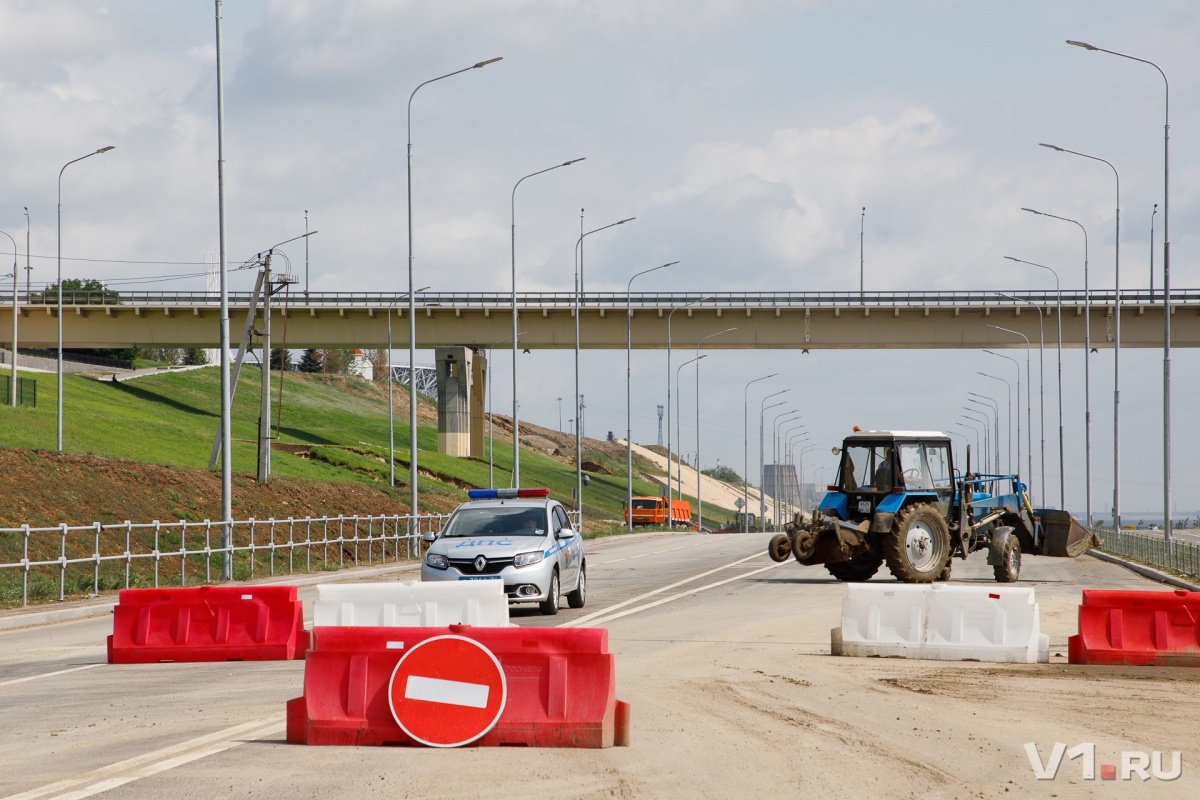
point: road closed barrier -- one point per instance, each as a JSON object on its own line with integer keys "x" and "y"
{"x": 940, "y": 622}
{"x": 411, "y": 604}
{"x": 456, "y": 685}
{"x": 1137, "y": 628}
{"x": 208, "y": 623}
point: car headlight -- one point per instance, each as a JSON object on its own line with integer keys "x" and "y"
{"x": 525, "y": 559}
{"x": 437, "y": 561}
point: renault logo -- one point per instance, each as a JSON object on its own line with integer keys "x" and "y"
{"x": 480, "y": 564}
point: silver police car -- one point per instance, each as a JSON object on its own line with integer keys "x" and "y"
{"x": 518, "y": 536}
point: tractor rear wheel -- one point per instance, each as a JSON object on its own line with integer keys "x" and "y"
{"x": 1008, "y": 570}
{"x": 918, "y": 547}
{"x": 857, "y": 569}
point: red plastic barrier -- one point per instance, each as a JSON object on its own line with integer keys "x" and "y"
{"x": 558, "y": 688}
{"x": 208, "y": 623}
{"x": 1137, "y": 628}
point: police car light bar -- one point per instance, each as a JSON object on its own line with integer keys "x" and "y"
{"x": 506, "y": 494}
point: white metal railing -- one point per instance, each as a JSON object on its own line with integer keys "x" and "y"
{"x": 169, "y": 550}
{"x": 1182, "y": 557}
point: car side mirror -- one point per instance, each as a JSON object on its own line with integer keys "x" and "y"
{"x": 564, "y": 533}
{"x": 428, "y": 537}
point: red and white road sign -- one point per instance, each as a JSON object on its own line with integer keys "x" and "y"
{"x": 447, "y": 691}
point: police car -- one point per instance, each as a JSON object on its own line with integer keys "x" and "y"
{"x": 518, "y": 536}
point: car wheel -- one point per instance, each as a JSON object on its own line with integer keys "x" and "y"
{"x": 577, "y": 598}
{"x": 549, "y": 606}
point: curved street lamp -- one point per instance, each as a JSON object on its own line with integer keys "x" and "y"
{"x": 1041, "y": 386}
{"x": 628, "y": 376}
{"x": 679, "y": 462}
{"x": 745, "y": 510}
{"x": 699, "y": 466}
{"x": 1087, "y": 357}
{"x": 1062, "y": 462}
{"x": 516, "y": 476}
{"x": 578, "y": 396}
{"x": 1028, "y": 405}
{"x": 412, "y": 317}
{"x": 60, "y": 290}
{"x": 671, "y": 521}
{"x": 1166, "y": 281}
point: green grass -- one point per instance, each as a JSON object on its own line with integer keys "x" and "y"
{"x": 172, "y": 419}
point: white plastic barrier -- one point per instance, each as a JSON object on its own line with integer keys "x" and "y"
{"x": 412, "y": 604}
{"x": 940, "y": 622}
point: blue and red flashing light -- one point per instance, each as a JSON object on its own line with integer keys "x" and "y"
{"x": 506, "y": 494}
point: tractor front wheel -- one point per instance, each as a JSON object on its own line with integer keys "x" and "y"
{"x": 918, "y": 547}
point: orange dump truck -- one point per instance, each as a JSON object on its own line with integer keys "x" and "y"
{"x": 653, "y": 511}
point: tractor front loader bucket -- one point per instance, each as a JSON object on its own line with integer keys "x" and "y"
{"x": 1063, "y": 536}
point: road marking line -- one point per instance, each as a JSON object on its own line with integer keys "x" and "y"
{"x": 643, "y": 555}
{"x": 453, "y": 693}
{"x": 49, "y": 674}
{"x": 105, "y": 778}
{"x": 596, "y": 614}
{"x": 668, "y": 599}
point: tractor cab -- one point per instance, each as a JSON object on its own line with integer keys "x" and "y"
{"x": 882, "y": 471}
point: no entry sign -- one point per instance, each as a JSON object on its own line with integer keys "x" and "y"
{"x": 447, "y": 691}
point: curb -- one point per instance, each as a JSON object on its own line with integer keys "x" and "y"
{"x": 87, "y": 609}
{"x": 1146, "y": 572}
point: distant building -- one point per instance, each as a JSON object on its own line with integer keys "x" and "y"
{"x": 361, "y": 366}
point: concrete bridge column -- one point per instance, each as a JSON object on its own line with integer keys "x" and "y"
{"x": 454, "y": 389}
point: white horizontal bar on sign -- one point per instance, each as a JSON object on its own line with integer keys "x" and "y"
{"x": 451, "y": 693}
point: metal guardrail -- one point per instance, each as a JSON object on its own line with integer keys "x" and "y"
{"x": 1183, "y": 557}
{"x": 772, "y": 299}
{"x": 256, "y": 546}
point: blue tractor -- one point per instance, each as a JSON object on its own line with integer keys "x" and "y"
{"x": 898, "y": 499}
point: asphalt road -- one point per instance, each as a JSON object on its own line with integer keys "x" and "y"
{"x": 723, "y": 654}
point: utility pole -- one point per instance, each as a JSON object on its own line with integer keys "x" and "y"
{"x": 264, "y": 411}
{"x": 660, "y": 416}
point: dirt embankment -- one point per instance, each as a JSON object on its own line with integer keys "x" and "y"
{"x": 44, "y": 488}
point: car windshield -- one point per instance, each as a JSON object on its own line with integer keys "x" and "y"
{"x": 496, "y": 521}
{"x": 645, "y": 502}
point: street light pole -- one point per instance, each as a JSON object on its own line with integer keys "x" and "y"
{"x": 1087, "y": 358}
{"x": 699, "y": 473}
{"x": 779, "y": 419}
{"x": 982, "y": 419}
{"x": 670, "y": 488}
{"x": 491, "y": 474}
{"x": 1016, "y": 367}
{"x": 1116, "y": 340}
{"x": 995, "y": 419}
{"x": 60, "y": 290}
{"x": 973, "y": 429}
{"x": 15, "y": 313}
{"x": 516, "y": 476}
{"x": 578, "y": 396}
{"x": 1166, "y": 282}
{"x": 762, "y": 466}
{"x": 746, "y": 450}
{"x": 1062, "y": 463}
{"x": 628, "y": 382}
{"x": 1028, "y": 405}
{"x": 412, "y": 311}
{"x": 1041, "y": 389}
{"x": 678, "y": 434}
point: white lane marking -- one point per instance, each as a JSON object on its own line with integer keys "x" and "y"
{"x": 643, "y": 555}
{"x": 604, "y": 611}
{"x": 49, "y": 674}
{"x": 105, "y": 778}
{"x": 452, "y": 693}
{"x": 615, "y": 560}
{"x": 698, "y": 589}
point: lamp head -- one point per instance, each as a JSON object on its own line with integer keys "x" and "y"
{"x": 1031, "y": 211}
{"x": 1019, "y": 261}
{"x": 573, "y": 161}
{"x": 1084, "y": 45}
{"x": 489, "y": 61}
{"x": 1051, "y": 146}
{"x": 105, "y": 149}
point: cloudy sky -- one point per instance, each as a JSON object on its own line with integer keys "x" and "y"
{"x": 745, "y": 136}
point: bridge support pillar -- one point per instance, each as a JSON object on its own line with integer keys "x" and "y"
{"x": 454, "y": 392}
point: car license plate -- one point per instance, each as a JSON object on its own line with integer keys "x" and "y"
{"x": 864, "y": 506}
{"x": 479, "y": 577}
